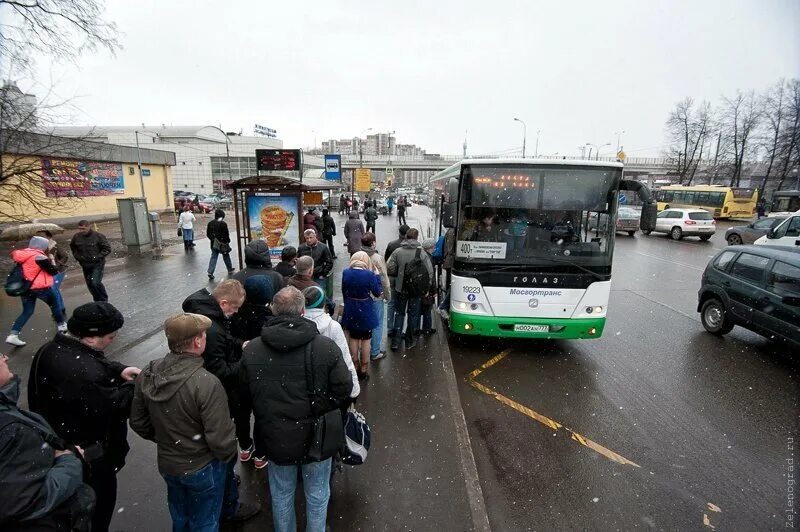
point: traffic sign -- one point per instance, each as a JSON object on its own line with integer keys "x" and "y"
{"x": 333, "y": 167}
{"x": 363, "y": 179}
{"x": 389, "y": 170}
{"x": 621, "y": 155}
{"x": 622, "y": 198}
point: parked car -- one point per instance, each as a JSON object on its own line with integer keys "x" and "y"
{"x": 627, "y": 220}
{"x": 748, "y": 234}
{"x": 784, "y": 235}
{"x": 755, "y": 287}
{"x": 181, "y": 201}
{"x": 679, "y": 223}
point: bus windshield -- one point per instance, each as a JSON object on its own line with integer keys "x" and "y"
{"x": 527, "y": 215}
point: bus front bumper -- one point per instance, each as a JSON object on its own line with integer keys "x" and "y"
{"x": 557, "y": 328}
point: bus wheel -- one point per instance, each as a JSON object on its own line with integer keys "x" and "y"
{"x": 714, "y": 318}
{"x": 676, "y": 233}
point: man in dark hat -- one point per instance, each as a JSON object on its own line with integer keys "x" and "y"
{"x": 86, "y": 397}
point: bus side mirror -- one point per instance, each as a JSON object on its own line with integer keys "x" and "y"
{"x": 452, "y": 190}
{"x": 448, "y": 214}
{"x": 647, "y": 222}
{"x": 771, "y": 232}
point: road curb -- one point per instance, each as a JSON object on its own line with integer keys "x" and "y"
{"x": 477, "y": 505}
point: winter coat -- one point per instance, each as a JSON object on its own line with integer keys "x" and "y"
{"x": 370, "y": 214}
{"x": 183, "y": 408}
{"x": 353, "y": 231}
{"x": 301, "y": 282}
{"x": 328, "y": 226}
{"x": 61, "y": 257}
{"x": 323, "y": 261}
{"x": 36, "y": 267}
{"x": 36, "y": 486}
{"x": 82, "y": 395}
{"x": 359, "y": 311}
{"x": 379, "y": 266}
{"x": 273, "y": 386}
{"x": 401, "y": 257}
{"x": 310, "y": 221}
{"x": 220, "y": 357}
{"x": 186, "y": 220}
{"x": 90, "y": 249}
{"x": 285, "y": 269}
{"x": 247, "y": 323}
{"x": 218, "y": 229}
{"x": 330, "y": 328}
{"x": 393, "y": 245}
{"x": 258, "y": 262}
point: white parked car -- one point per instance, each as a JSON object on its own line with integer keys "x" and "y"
{"x": 786, "y": 235}
{"x": 679, "y": 223}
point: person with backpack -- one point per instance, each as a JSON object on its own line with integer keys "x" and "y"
{"x": 410, "y": 276}
{"x": 370, "y": 216}
{"x": 32, "y": 279}
{"x": 429, "y": 298}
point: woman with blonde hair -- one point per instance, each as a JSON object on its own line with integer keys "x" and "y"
{"x": 359, "y": 282}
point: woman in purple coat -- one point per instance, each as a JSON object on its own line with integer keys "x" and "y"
{"x": 359, "y": 318}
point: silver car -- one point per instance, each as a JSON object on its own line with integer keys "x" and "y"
{"x": 747, "y": 234}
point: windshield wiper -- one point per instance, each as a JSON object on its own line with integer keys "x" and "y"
{"x": 594, "y": 274}
{"x": 525, "y": 267}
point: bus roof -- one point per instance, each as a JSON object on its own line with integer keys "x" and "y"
{"x": 542, "y": 162}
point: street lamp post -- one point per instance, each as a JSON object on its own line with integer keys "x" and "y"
{"x": 597, "y": 150}
{"x": 619, "y": 134}
{"x": 536, "y": 154}
{"x": 524, "y": 135}
{"x": 360, "y": 162}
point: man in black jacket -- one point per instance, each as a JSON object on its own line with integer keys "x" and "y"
{"x": 328, "y": 231}
{"x": 288, "y": 259}
{"x": 273, "y": 383}
{"x": 221, "y": 357}
{"x": 323, "y": 262}
{"x": 220, "y": 239}
{"x": 86, "y": 398}
{"x": 90, "y": 249}
{"x": 370, "y": 215}
{"x": 390, "y": 248}
{"x": 258, "y": 262}
{"x": 39, "y": 477}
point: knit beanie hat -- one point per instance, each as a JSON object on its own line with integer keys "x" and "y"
{"x": 428, "y": 244}
{"x": 259, "y": 290}
{"x": 315, "y": 297}
{"x": 39, "y": 242}
{"x": 98, "y": 318}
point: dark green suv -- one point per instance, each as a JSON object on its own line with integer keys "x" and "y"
{"x": 756, "y": 287}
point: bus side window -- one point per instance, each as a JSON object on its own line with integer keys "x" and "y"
{"x": 718, "y": 198}
{"x": 702, "y": 198}
{"x": 668, "y": 195}
{"x": 689, "y": 198}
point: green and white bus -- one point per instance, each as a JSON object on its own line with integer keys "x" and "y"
{"x": 534, "y": 243}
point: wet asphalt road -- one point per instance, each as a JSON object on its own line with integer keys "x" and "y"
{"x": 701, "y": 423}
{"x": 706, "y": 421}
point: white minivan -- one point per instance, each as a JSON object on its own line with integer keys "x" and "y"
{"x": 786, "y": 235}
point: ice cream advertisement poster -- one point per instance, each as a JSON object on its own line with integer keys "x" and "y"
{"x": 276, "y": 219}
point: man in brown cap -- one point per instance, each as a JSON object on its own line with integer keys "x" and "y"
{"x": 183, "y": 408}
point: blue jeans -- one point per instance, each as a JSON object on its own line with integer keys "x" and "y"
{"x": 377, "y": 333}
{"x": 94, "y": 281}
{"x": 390, "y": 313}
{"x": 212, "y": 263}
{"x": 188, "y": 235}
{"x": 317, "y": 488}
{"x": 57, "y": 280}
{"x": 195, "y": 499}
{"x": 29, "y": 304}
{"x": 426, "y": 317}
{"x": 402, "y": 304}
{"x": 230, "y": 498}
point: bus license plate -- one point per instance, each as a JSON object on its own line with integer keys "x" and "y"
{"x": 519, "y": 327}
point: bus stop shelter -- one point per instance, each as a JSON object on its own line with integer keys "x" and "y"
{"x": 271, "y": 207}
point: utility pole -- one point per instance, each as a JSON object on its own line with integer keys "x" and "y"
{"x": 465, "y": 144}
{"x": 524, "y": 135}
{"x": 536, "y": 154}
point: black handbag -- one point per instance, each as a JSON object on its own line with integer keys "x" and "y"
{"x": 327, "y": 434}
{"x": 220, "y": 247}
{"x": 180, "y": 231}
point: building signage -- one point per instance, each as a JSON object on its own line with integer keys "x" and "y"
{"x": 278, "y": 160}
{"x": 145, "y": 172}
{"x": 62, "y": 178}
{"x": 333, "y": 167}
{"x": 480, "y": 250}
{"x": 363, "y": 178}
{"x": 258, "y": 129}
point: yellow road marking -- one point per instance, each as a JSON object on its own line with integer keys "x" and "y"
{"x": 544, "y": 420}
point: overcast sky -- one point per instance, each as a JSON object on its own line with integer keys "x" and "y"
{"x": 577, "y": 70}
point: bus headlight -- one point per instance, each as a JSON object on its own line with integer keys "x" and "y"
{"x": 460, "y": 305}
{"x": 595, "y": 310}
{"x": 467, "y": 326}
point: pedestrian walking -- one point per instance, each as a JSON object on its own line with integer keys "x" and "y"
{"x": 447, "y": 266}
{"x": 761, "y": 208}
{"x": 390, "y": 204}
{"x": 86, "y": 397}
{"x": 220, "y": 239}
{"x": 410, "y": 275}
{"x": 90, "y": 248}
{"x": 359, "y": 282}
{"x": 328, "y": 231}
{"x": 425, "y": 325}
{"x": 41, "y": 476}
{"x": 183, "y": 408}
{"x": 288, "y": 260}
{"x": 257, "y": 261}
{"x": 310, "y": 221}
{"x": 186, "y": 223}
{"x": 342, "y": 204}
{"x": 355, "y": 203}
{"x": 291, "y": 352}
{"x": 353, "y": 231}
{"x": 390, "y": 248}
{"x": 302, "y": 278}
{"x": 221, "y": 357}
{"x": 378, "y": 265}
{"x": 323, "y": 263}
{"x": 60, "y": 259}
{"x": 370, "y": 216}
{"x": 39, "y": 269}
{"x": 401, "y": 211}
{"x": 330, "y": 328}
{"x": 348, "y": 204}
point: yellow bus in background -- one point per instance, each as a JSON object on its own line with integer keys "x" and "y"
{"x": 720, "y": 201}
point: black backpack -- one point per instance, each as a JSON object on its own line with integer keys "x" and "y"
{"x": 416, "y": 279}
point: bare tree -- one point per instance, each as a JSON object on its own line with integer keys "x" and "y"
{"x": 741, "y": 115}
{"x": 788, "y": 157}
{"x": 774, "y": 110}
{"x": 688, "y": 126}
